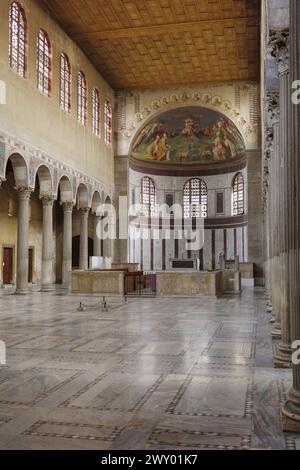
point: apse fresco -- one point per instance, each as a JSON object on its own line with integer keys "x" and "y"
{"x": 189, "y": 135}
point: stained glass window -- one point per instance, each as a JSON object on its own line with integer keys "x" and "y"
{"x": 147, "y": 196}
{"x": 108, "y": 122}
{"x": 44, "y": 63}
{"x": 238, "y": 205}
{"x": 65, "y": 83}
{"x": 82, "y": 99}
{"x": 96, "y": 112}
{"x": 195, "y": 199}
{"x": 17, "y": 39}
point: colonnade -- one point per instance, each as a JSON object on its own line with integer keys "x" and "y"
{"x": 47, "y": 262}
{"x": 282, "y": 210}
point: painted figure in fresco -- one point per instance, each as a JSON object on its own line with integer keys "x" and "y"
{"x": 190, "y": 129}
{"x": 219, "y": 148}
{"x": 189, "y": 135}
{"x": 163, "y": 148}
{"x": 147, "y": 133}
{"x": 228, "y": 138}
{"x": 152, "y": 149}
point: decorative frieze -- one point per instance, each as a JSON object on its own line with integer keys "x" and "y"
{"x": 34, "y": 158}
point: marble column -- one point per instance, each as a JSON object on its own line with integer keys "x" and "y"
{"x": 47, "y": 249}
{"x": 273, "y": 221}
{"x": 24, "y": 195}
{"x": 280, "y": 42}
{"x": 67, "y": 244}
{"x": 97, "y": 235}
{"x": 291, "y": 408}
{"x": 84, "y": 231}
{"x": 269, "y": 137}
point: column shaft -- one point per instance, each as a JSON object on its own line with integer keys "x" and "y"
{"x": 67, "y": 244}
{"x": 83, "y": 254}
{"x": 97, "y": 235}
{"x": 47, "y": 254}
{"x": 291, "y": 409}
{"x": 283, "y": 354}
{"x": 23, "y": 240}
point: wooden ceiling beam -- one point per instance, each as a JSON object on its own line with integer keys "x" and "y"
{"x": 162, "y": 29}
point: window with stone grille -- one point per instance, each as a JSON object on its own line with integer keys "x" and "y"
{"x": 195, "y": 198}
{"x": 44, "y": 63}
{"x": 82, "y": 98}
{"x": 238, "y": 203}
{"x": 96, "y": 112}
{"x": 65, "y": 83}
{"x": 17, "y": 39}
{"x": 108, "y": 122}
{"x": 147, "y": 196}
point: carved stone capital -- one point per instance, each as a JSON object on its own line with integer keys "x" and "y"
{"x": 67, "y": 206}
{"x": 24, "y": 192}
{"x": 273, "y": 105}
{"x": 84, "y": 212}
{"x": 279, "y": 48}
{"x": 47, "y": 199}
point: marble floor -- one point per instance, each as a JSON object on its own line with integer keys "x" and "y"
{"x": 149, "y": 374}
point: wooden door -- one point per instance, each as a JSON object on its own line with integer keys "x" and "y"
{"x": 8, "y": 260}
{"x": 30, "y": 265}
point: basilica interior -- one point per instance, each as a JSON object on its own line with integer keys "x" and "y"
{"x": 149, "y": 224}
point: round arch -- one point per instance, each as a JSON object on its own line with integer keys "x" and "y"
{"x": 96, "y": 202}
{"x": 45, "y": 180}
{"x": 65, "y": 187}
{"x": 188, "y": 134}
{"x": 20, "y": 170}
{"x": 82, "y": 196}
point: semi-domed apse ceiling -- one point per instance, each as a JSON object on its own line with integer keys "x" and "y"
{"x": 187, "y": 136}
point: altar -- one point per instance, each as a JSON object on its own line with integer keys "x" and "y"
{"x": 189, "y": 283}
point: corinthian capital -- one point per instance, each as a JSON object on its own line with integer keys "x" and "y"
{"x": 67, "y": 206}
{"x": 279, "y": 48}
{"x": 84, "y": 212}
{"x": 47, "y": 199}
{"x": 24, "y": 192}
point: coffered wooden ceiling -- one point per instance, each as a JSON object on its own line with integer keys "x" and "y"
{"x": 155, "y": 43}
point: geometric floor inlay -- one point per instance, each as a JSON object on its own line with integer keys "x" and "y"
{"x": 162, "y": 373}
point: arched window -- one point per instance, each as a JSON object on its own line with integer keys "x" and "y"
{"x": 147, "y": 196}
{"x": 108, "y": 122}
{"x": 44, "y": 63}
{"x": 96, "y": 112}
{"x": 82, "y": 99}
{"x": 17, "y": 39}
{"x": 195, "y": 198}
{"x": 238, "y": 203}
{"x": 65, "y": 83}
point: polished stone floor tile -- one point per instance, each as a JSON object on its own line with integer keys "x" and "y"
{"x": 148, "y": 374}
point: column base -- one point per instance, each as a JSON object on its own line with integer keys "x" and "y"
{"x": 47, "y": 288}
{"x": 272, "y": 319}
{"x": 290, "y": 413}
{"x": 283, "y": 357}
{"x": 276, "y": 331}
{"x": 22, "y": 291}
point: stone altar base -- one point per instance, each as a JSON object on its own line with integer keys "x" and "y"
{"x": 98, "y": 282}
{"x": 180, "y": 283}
